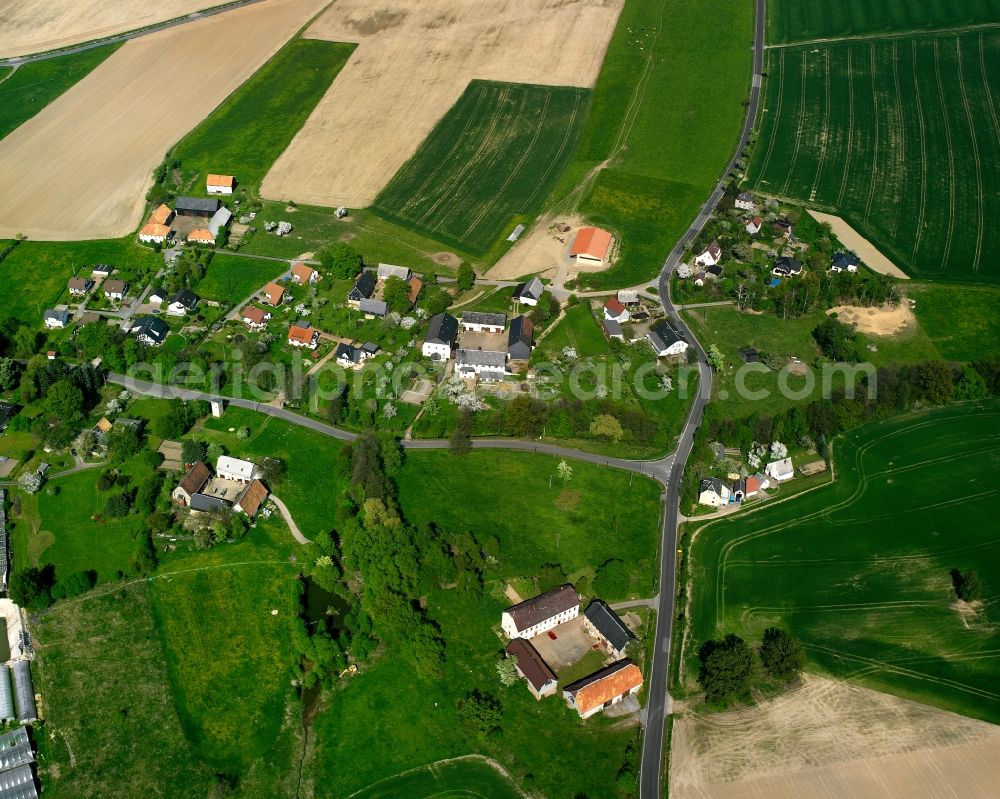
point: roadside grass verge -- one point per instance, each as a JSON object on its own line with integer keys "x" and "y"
{"x": 859, "y": 569}
{"x": 246, "y": 134}
{"x": 564, "y": 517}
{"x": 230, "y": 278}
{"x": 36, "y": 84}
{"x": 33, "y": 276}
{"x": 490, "y": 160}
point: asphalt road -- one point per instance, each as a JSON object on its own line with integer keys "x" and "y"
{"x": 651, "y": 767}
{"x": 18, "y": 61}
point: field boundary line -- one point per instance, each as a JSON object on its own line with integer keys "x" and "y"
{"x": 874, "y": 177}
{"x": 975, "y": 155}
{"x": 800, "y": 122}
{"x": 850, "y": 125}
{"x": 776, "y": 116}
{"x": 885, "y": 35}
{"x": 986, "y": 85}
{"x": 430, "y": 767}
{"x": 918, "y": 103}
{"x": 901, "y": 156}
{"x": 824, "y": 135}
{"x": 951, "y": 159}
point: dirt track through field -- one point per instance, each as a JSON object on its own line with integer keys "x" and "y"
{"x": 80, "y": 168}
{"x": 34, "y": 26}
{"x": 414, "y": 61}
{"x": 866, "y": 251}
{"x": 831, "y": 740}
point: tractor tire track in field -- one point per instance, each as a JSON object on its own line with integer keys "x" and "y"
{"x": 776, "y": 117}
{"x": 874, "y": 176}
{"x": 918, "y": 104}
{"x": 488, "y": 206}
{"x": 632, "y": 112}
{"x": 952, "y": 188}
{"x": 901, "y": 149}
{"x": 980, "y": 214}
{"x": 800, "y": 123}
{"x": 824, "y": 138}
{"x": 558, "y": 155}
{"x": 988, "y": 92}
{"x": 850, "y": 126}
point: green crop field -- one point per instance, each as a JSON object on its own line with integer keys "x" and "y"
{"x": 490, "y": 161}
{"x": 798, "y": 20}
{"x": 859, "y": 569}
{"x": 666, "y": 115}
{"x": 462, "y": 779}
{"x": 247, "y": 133}
{"x": 899, "y": 137}
{"x": 231, "y": 278}
{"x": 35, "y": 85}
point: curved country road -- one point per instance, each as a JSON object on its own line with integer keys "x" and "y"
{"x": 667, "y": 470}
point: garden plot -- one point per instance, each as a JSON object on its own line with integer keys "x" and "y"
{"x": 81, "y": 167}
{"x": 413, "y": 63}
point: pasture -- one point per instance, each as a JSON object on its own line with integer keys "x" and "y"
{"x": 458, "y": 779}
{"x": 489, "y": 161}
{"x": 247, "y": 133}
{"x": 665, "y": 116}
{"x": 579, "y": 329}
{"x": 896, "y": 135}
{"x": 35, "y": 85}
{"x": 414, "y": 60}
{"x": 799, "y": 20}
{"x": 230, "y": 278}
{"x": 859, "y": 569}
{"x": 124, "y": 116}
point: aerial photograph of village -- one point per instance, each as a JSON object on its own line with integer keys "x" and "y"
{"x": 499, "y": 399}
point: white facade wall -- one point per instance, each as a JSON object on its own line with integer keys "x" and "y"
{"x": 431, "y": 348}
{"x": 615, "y": 701}
{"x": 151, "y": 239}
{"x": 511, "y": 631}
{"x": 219, "y": 189}
{"x": 475, "y": 327}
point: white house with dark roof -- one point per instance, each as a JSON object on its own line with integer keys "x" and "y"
{"x": 606, "y": 626}
{"x": 483, "y": 322}
{"x": 713, "y": 492}
{"x": 182, "y": 302}
{"x": 744, "y": 201}
{"x": 666, "y": 341}
{"x": 442, "y": 331}
{"x": 487, "y": 364}
{"x": 845, "y": 262}
{"x": 541, "y": 613}
{"x": 56, "y": 320}
{"x": 711, "y": 255}
{"x": 532, "y": 667}
{"x": 530, "y": 292}
{"x": 151, "y": 331}
{"x": 787, "y": 267}
{"x": 363, "y": 288}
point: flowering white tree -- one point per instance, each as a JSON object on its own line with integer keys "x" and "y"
{"x": 666, "y": 383}
{"x": 756, "y": 454}
{"x": 407, "y": 322}
{"x": 31, "y": 482}
{"x": 284, "y": 228}
{"x": 570, "y": 353}
{"x": 124, "y": 396}
{"x": 389, "y": 410}
{"x": 565, "y": 471}
{"x": 114, "y": 406}
{"x": 302, "y": 309}
{"x": 684, "y": 271}
{"x": 778, "y": 451}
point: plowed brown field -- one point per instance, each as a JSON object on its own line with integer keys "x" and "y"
{"x": 80, "y": 168}
{"x": 414, "y": 61}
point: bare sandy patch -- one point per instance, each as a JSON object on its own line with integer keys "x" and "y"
{"x": 832, "y": 740}
{"x": 884, "y": 320}
{"x": 866, "y": 251}
{"x": 35, "y": 26}
{"x": 414, "y": 60}
{"x": 81, "y": 168}
{"x": 544, "y": 250}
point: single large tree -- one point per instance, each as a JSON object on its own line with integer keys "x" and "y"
{"x": 781, "y": 654}
{"x": 727, "y": 670}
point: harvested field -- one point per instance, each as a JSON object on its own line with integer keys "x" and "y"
{"x": 880, "y": 321}
{"x": 34, "y": 26}
{"x": 828, "y": 740}
{"x": 489, "y": 161}
{"x": 864, "y": 249}
{"x": 414, "y": 61}
{"x": 80, "y": 168}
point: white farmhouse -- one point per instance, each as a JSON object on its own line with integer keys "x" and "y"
{"x": 780, "y": 470}
{"x": 440, "y": 340}
{"x": 713, "y": 492}
{"x": 666, "y": 341}
{"x": 541, "y": 613}
{"x": 219, "y": 184}
{"x": 711, "y": 256}
{"x": 229, "y": 468}
{"x": 483, "y": 322}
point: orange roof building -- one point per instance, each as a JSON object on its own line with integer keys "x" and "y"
{"x": 273, "y": 293}
{"x": 303, "y": 336}
{"x": 153, "y": 231}
{"x": 219, "y": 184}
{"x": 255, "y": 317}
{"x": 415, "y": 285}
{"x": 303, "y": 274}
{"x": 252, "y": 498}
{"x": 603, "y": 688}
{"x": 591, "y": 245}
{"x": 200, "y": 236}
{"x": 162, "y": 215}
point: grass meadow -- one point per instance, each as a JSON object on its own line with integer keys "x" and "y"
{"x": 578, "y": 329}
{"x": 35, "y": 85}
{"x": 960, "y": 320}
{"x": 230, "y": 278}
{"x": 246, "y": 134}
{"x": 798, "y": 20}
{"x": 665, "y": 116}
{"x": 487, "y": 164}
{"x": 464, "y": 778}
{"x": 33, "y": 277}
{"x": 896, "y": 135}
{"x": 859, "y": 569}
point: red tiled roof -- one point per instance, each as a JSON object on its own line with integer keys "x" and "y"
{"x": 195, "y": 479}
{"x": 254, "y": 315}
{"x": 161, "y": 215}
{"x": 621, "y": 678}
{"x": 591, "y": 241}
{"x": 200, "y": 234}
{"x": 415, "y": 285}
{"x": 154, "y": 229}
{"x": 614, "y": 306}
{"x": 303, "y": 335}
{"x": 302, "y": 273}
{"x": 253, "y": 498}
{"x": 752, "y": 485}
{"x": 219, "y": 180}
{"x": 274, "y": 293}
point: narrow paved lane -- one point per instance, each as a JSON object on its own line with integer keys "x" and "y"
{"x": 657, "y": 705}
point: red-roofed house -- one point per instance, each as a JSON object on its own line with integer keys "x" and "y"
{"x": 603, "y": 688}
{"x": 615, "y": 311}
{"x": 711, "y": 256}
{"x": 754, "y": 225}
{"x": 219, "y": 184}
{"x": 591, "y": 245}
{"x": 255, "y": 318}
{"x": 302, "y": 335}
{"x": 415, "y": 285}
{"x": 303, "y": 275}
{"x": 273, "y": 294}
{"x": 201, "y": 236}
